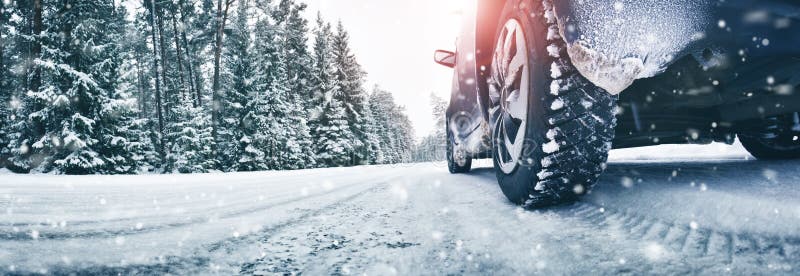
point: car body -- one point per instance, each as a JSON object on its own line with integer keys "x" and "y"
{"x": 736, "y": 60}
{"x": 680, "y": 72}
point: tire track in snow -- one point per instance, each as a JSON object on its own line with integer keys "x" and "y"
{"x": 200, "y": 262}
{"x": 319, "y": 238}
{"x": 170, "y": 193}
{"x": 777, "y": 253}
{"x": 11, "y": 235}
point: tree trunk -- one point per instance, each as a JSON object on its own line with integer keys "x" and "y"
{"x": 168, "y": 100}
{"x": 217, "y": 107}
{"x": 3, "y": 91}
{"x": 141, "y": 88}
{"x": 36, "y": 48}
{"x": 180, "y": 56}
{"x": 159, "y": 109}
{"x": 189, "y": 60}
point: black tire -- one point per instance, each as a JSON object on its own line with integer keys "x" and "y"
{"x": 452, "y": 165}
{"x": 582, "y": 127}
{"x": 773, "y": 138}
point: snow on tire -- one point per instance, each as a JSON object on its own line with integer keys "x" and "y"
{"x": 568, "y": 123}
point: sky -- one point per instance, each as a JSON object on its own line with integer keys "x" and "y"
{"x": 394, "y": 41}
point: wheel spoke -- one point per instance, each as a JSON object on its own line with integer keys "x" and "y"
{"x": 495, "y": 113}
{"x": 509, "y": 48}
{"x": 511, "y": 155}
{"x": 509, "y": 94}
{"x": 517, "y": 107}
{"x": 506, "y": 150}
{"x": 495, "y": 91}
{"x": 511, "y": 126}
{"x": 512, "y": 78}
{"x": 515, "y": 68}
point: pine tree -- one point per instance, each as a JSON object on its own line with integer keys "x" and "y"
{"x": 125, "y": 139}
{"x": 395, "y": 133}
{"x": 135, "y": 93}
{"x": 73, "y": 99}
{"x": 330, "y": 127}
{"x": 84, "y": 90}
{"x": 350, "y": 78}
{"x": 218, "y": 116}
{"x": 334, "y": 139}
{"x": 372, "y": 136}
{"x": 297, "y": 80}
{"x": 238, "y": 77}
{"x": 6, "y": 87}
{"x": 192, "y": 146}
{"x": 432, "y": 147}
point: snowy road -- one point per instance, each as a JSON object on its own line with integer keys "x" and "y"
{"x": 662, "y": 210}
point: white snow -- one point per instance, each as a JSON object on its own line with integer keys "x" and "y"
{"x": 410, "y": 219}
{"x": 552, "y": 33}
{"x": 552, "y": 133}
{"x": 614, "y": 43}
{"x": 610, "y": 73}
{"x": 550, "y": 17}
{"x": 555, "y": 70}
{"x": 555, "y": 89}
{"x": 550, "y": 147}
{"x": 557, "y": 104}
{"x": 553, "y": 50}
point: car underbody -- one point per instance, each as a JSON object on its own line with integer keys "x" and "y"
{"x": 719, "y": 68}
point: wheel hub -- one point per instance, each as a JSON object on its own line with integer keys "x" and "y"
{"x": 509, "y": 89}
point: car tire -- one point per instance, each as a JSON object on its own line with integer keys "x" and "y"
{"x": 776, "y": 138}
{"x": 456, "y": 164}
{"x": 568, "y": 123}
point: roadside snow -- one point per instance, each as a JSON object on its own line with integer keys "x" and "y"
{"x": 657, "y": 210}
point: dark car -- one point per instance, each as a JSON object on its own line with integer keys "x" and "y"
{"x": 547, "y": 88}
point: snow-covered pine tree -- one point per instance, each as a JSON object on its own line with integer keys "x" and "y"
{"x": 432, "y": 147}
{"x": 294, "y": 31}
{"x": 334, "y": 139}
{"x": 20, "y": 42}
{"x": 125, "y": 139}
{"x": 219, "y": 118}
{"x": 404, "y": 133}
{"x": 237, "y": 77}
{"x": 191, "y": 149}
{"x": 190, "y": 132}
{"x": 372, "y": 136}
{"x": 136, "y": 91}
{"x": 332, "y": 133}
{"x": 395, "y": 133}
{"x": 275, "y": 134}
{"x": 350, "y": 77}
{"x": 16, "y": 59}
{"x": 381, "y": 103}
{"x": 297, "y": 80}
{"x": 6, "y": 87}
{"x": 73, "y": 101}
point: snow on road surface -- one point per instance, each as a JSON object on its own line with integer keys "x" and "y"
{"x": 672, "y": 210}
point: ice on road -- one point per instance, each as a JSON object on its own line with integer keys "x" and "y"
{"x": 672, "y": 210}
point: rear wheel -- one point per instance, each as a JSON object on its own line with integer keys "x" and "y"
{"x": 552, "y": 129}
{"x": 774, "y": 138}
{"x": 457, "y": 160}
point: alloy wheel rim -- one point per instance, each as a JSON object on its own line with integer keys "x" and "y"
{"x": 509, "y": 89}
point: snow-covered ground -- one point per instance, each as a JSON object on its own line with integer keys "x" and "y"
{"x": 669, "y": 209}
